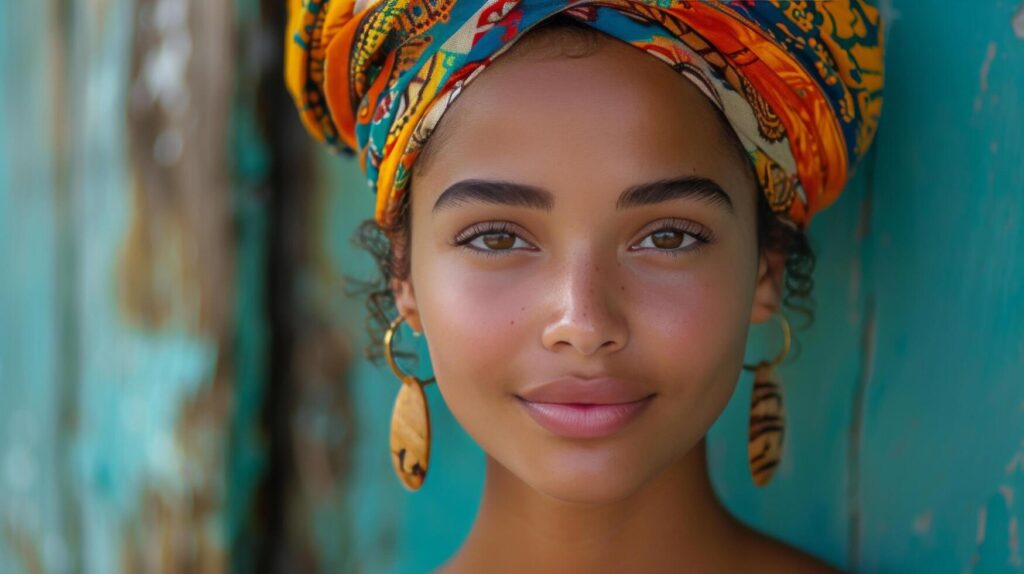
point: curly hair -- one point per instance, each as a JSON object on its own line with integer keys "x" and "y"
{"x": 572, "y": 39}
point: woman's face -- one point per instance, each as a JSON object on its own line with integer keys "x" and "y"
{"x": 569, "y": 263}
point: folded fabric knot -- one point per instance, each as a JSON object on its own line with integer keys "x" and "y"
{"x": 800, "y": 82}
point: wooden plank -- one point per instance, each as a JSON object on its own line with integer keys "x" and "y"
{"x": 35, "y": 503}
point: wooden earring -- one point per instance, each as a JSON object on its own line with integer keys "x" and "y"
{"x": 410, "y": 422}
{"x": 767, "y": 415}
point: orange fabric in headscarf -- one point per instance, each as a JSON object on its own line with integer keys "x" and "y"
{"x": 799, "y": 82}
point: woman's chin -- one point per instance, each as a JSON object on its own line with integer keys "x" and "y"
{"x": 587, "y": 478}
{"x": 587, "y": 490}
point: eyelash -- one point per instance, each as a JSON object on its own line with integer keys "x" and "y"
{"x": 483, "y": 229}
{"x": 698, "y": 232}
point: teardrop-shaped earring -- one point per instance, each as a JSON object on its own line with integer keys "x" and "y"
{"x": 767, "y": 414}
{"x": 410, "y": 421}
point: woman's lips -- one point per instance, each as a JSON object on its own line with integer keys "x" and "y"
{"x": 577, "y": 420}
{"x": 588, "y": 391}
{"x": 579, "y": 407}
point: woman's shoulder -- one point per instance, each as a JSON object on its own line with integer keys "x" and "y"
{"x": 769, "y": 555}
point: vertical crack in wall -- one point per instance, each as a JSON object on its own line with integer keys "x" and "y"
{"x": 865, "y": 371}
{"x": 299, "y": 520}
{"x": 854, "y": 500}
{"x": 286, "y": 189}
{"x": 283, "y": 256}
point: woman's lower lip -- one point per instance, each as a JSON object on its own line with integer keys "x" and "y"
{"x": 584, "y": 421}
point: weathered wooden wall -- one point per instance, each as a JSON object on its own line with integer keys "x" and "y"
{"x": 133, "y": 316}
{"x": 124, "y": 440}
{"x": 180, "y": 381}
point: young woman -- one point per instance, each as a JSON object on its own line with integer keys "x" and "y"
{"x": 584, "y": 236}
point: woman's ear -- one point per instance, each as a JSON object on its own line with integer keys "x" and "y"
{"x": 405, "y": 302}
{"x": 768, "y": 292}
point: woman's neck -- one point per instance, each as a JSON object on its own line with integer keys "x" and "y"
{"x": 674, "y": 523}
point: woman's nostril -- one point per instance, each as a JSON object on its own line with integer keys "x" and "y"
{"x": 586, "y": 333}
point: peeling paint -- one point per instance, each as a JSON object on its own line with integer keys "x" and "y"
{"x": 997, "y": 541}
{"x": 1017, "y": 22}
{"x": 1007, "y": 491}
{"x": 169, "y": 535}
{"x": 986, "y": 65}
{"x": 923, "y": 523}
{"x": 176, "y": 258}
{"x": 889, "y": 14}
{"x": 1015, "y": 558}
{"x": 168, "y": 147}
{"x": 166, "y": 63}
{"x": 1017, "y": 460}
{"x": 25, "y": 548}
{"x": 979, "y": 537}
{"x": 986, "y": 68}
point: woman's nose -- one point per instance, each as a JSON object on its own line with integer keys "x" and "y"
{"x": 587, "y": 308}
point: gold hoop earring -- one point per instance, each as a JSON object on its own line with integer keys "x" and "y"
{"x": 767, "y": 416}
{"x": 410, "y": 421}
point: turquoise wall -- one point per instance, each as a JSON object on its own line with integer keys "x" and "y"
{"x": 181, "y": 385}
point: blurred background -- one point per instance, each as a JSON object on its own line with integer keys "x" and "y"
{"x": 182, "y": 387}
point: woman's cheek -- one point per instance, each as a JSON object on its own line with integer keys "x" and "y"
{"x": 692, "y": 327}
{"x": 473, "y": 320}
{"x": 475, "y": 329}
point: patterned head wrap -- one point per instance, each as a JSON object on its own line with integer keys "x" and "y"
{"x": 800, "y": 82}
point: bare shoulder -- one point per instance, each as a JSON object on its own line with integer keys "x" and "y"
{"x": 768, "y": 555}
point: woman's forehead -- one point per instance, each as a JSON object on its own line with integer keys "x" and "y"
{"x": 617, "y": 113}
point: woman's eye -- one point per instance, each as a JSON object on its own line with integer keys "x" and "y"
{"x": 669, "y": 239}
{"x": 497, "y": 241}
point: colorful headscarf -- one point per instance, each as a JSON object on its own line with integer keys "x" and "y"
{"x": 800, "y": 82}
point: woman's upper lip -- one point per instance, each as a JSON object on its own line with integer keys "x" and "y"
{"x": 575, "y": 390}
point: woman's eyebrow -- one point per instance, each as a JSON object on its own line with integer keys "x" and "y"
{"x": 521, "y": 195}
{"x": 494, "y": 191}
{"x": 686, "y": 187}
